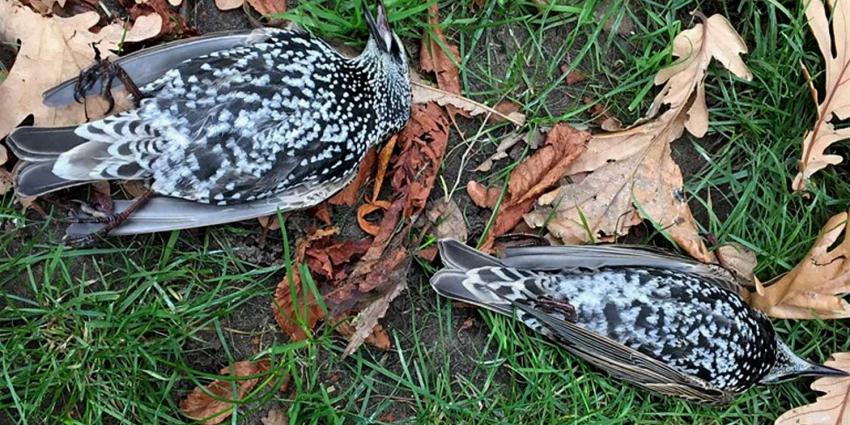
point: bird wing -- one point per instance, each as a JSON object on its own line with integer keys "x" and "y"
{"x": 598, "y": 256}
{"x": 625, "y": 363}
{"x": 149, "y": 64}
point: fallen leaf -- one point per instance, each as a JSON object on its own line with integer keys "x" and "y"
{"x": 378, "y": 338}
{"x": 228, "y": 4}
{"x": 836, "y": 100}
{"x": 322, "y": 213}
{"x": 275, "y": 417}
{"x": 295, "y": 311}
{"x": 467, "y": 323}
{"x": 440, "y": 57}
{"x": 815, "y": 288}
{"x": 383, "y": 162}
{"x": 739, "y": 260}
{"x": 365, "y": 210}
{"x": 291, "y": 319}
{"x": 539, "y": 172}
{"x": 832, "y": 408}
{"x": 365, "y": 321}
{"x": 53, "y": 49}
{"x": 171, "y": 21}
{"x": 348, "y": 195}
{"x": 269, "y": 222}
{"x": 422, "y": 144}
{"x": 631, "y": 174}
{"x": 134, "y": 188}
{"x": 448, "y": 220}
{"x": 267, "y": 7}
{"x": 203, "y": 404}
{"x": 482, "y": 196}
{"x": 505, "y": 109}
{"x": 326, "y": 257}
{"x": 423, "y": 94}
{"x": 573, "y": 77}
{"x": 501, "y": 151}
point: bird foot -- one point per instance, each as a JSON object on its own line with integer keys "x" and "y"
{"x": 110, "y": 220}
{"x": 104, "y": 69}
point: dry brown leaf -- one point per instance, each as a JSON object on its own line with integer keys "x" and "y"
{"x": 365, "y": 321}
{"x": 201, "y": 406}
{"x": 439, "y": 56}
{"x": 448, "y": 220}
{"x": 501, "y": 151}
{"x": 423, "y": 93}
{"x": 836, "y": 103}
{"x": 53, "y": 49}
{"x": 269, "y": 222}
{"x": 228, "y": 4}
{"x": 815, "y": 288}
{"x": 295, "y": 311}
{"x": 482, "y": 196}
{"x": 348, "y": 195}
{"x": 378, "y": 338}
{"x": 365, "y": 210}
{"x": 172, "y": 22}
{"x": 539, "y": 172}
{"x": 739, "y": 260}
{"x": 631, "y": 173}
{"x": 266, "y": 7}
{"x": 422, "y": 144}
{"x": 832, "y": 408}
{"x": 276, "y": 416}
{"x": 383, "y": 162}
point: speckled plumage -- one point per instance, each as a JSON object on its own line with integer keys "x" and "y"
{"x": 283, "y": 112}
{"x": 667, "y": 324}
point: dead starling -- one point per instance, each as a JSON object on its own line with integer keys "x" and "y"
{"x": 664, "y": 323}
{"x": 275, "y": 117}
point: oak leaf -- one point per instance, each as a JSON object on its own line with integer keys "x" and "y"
{"x": 836, "y": 102}
{"x": 448, "y": 220}
{"x": 539, "y": 172}
{"x": 816, "y": 286}
{"x": 264, "y": 7}
{"x": 215, "y": 403}
{"x": 440, "y": 57}
{"x": 54, "y": 49}
{"x": 632, "y": 175}
{"x": 832, "y": 408}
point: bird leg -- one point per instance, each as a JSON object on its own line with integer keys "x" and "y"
{"x": 109, "y": 221}
{"x": 108, "y": 71}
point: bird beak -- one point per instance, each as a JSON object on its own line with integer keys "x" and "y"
{"x": 380, "y": 28}
{"x": 821, "y": 370}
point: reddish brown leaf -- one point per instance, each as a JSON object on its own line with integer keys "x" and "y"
{"x": 364, "y": 210}
{"x": 573, "y": 77}
{"x": 383, "y": 162}
{"x": 378, "y": 338}
{"x": 323, "y": 213}
{"x": 327, "y": 259}
{"x": 427, "y": 254}
{"x": 288, "y": 318}
{"x": 423, "y": 143}
{"x": 506, "y": 108}
{"x": 381, "y": 270}
{"x": 483, "y": 196}
{"x": 468, "y": 323}
{"x": 267, "y": 7}
{"x": 348, "y": 195}
{"x": 172, "y": 21}
{"x": 439, "y": 56}
{"x": 269, "y": 222}
{"x": 548, "y": 164}
{"x": 199, "y": 405}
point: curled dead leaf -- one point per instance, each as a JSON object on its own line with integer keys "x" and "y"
{"x": 53, "y": 49}
{"x": 423, "y": 94}
{"x": 348, "y": 195}
{"x": 482, "y": 196}
{"x": 631, "y": 174}
{"x": 815, "y": 288}
{"x": 378, "y": 338}
{"x": 739, "y": 260}
{"x": 439, "y": 56}
{"x": 832, "y": 408}
{"x": 214, "y": 403}
{"x": 383, "y": 163}
{"x": 363, "y": 212}
{"x": 448, "y": 220}
{"x": 836, "y": 103}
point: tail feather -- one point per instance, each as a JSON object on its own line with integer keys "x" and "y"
{"x": 37, "y": 144}
{"x": 456, "y": 255}
{"x": 37, "y": 178}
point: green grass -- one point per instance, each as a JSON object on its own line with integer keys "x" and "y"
{"x": 121, "y": 333}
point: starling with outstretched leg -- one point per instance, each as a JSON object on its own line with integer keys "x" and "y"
{"x": 230, "y": 126}
{"x": 664, "y": 323}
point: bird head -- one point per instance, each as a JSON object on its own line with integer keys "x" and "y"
{"x": 789, "y": 366}
{"x": 386, "y": 53}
